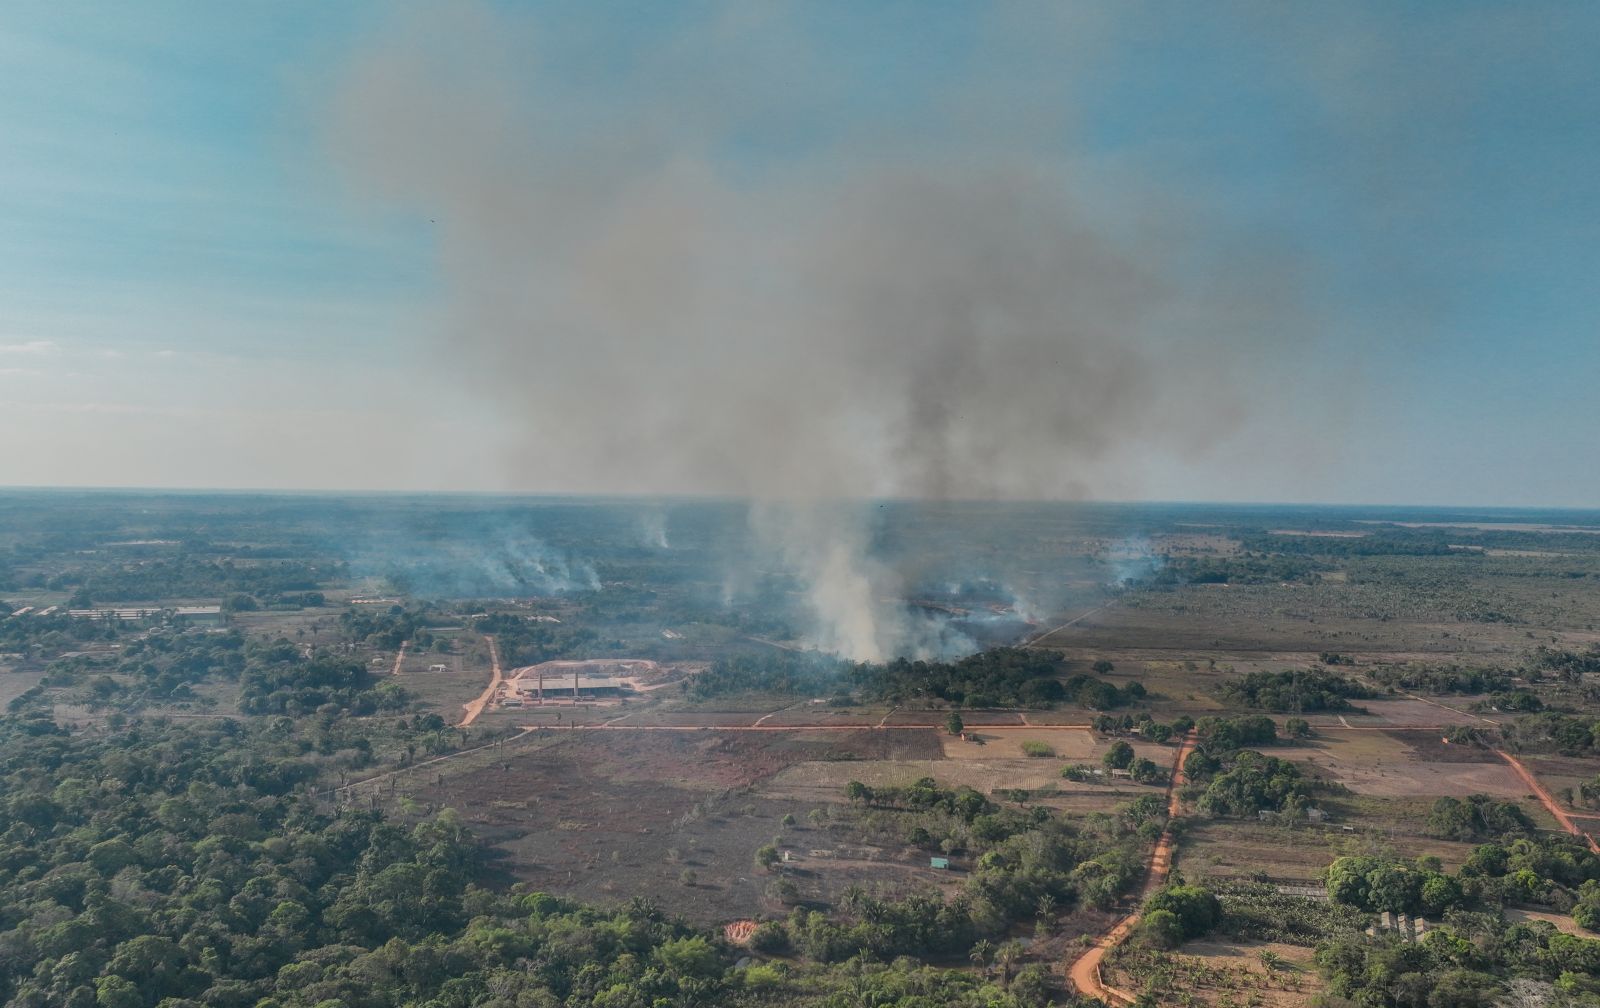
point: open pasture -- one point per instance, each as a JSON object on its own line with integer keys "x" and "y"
{"x": 1390, "y": 765}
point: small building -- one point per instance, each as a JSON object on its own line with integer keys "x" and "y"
{"x": 200, "y": 615}
{"x": 438, "y": 667}
{"x": 942, "y": 863}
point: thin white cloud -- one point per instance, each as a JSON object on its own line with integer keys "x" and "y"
{"x": 123, "y": 409}
{"x": 34, "y": 347}
{"x": 18, "y": 372}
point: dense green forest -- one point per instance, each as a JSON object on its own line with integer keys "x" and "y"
{"x": 184, "y": 865}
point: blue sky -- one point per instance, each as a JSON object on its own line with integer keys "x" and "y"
{"x": 198, "y": 289}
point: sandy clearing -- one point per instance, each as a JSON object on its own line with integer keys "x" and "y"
{"x": 1378, "y": 765}
{"x": 1069, "y": 744}
{"x": 1563, "y": 923}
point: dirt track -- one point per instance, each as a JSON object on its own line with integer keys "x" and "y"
{"x": 476, "y": 707}
{"x": 1034, "y": 639}
{"x": 1547, "y": 800}
{"x": 1084, "y": 973}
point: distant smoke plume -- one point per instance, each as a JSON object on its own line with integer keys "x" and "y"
{"x": 654, "y": 312}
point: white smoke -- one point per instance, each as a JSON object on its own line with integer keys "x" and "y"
{"x": 654, "y": 319}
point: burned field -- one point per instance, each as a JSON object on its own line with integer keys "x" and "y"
{"x": 608, "y": 815}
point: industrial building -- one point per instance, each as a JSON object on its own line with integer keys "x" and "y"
{"x": 566, "y": 687}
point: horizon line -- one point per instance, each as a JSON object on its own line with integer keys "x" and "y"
{"x": 336, "y": 492}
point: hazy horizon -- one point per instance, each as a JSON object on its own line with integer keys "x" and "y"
{"x": 1111, "y": 252}
{"x": 664, "y": 498}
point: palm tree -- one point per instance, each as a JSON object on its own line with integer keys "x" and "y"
{"x": 852, "y": 897}
{"x": 1046, "y": 911}
{"x": 981, "y": 954}
{"x": 1006, "y": 956}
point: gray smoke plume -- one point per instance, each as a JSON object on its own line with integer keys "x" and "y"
{"x": 655, "y": 316}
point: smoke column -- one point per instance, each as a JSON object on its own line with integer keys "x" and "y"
{"x": 654, "y": 315}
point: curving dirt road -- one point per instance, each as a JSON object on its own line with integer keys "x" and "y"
{"x": 1084, "y": 973}
{"x": 1547, "y": 799}
{"x": 476, "y": 707}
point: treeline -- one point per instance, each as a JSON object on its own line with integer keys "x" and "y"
{"x": 1569, "y": 735}
{"x": 1248, "y": 569}
{"x": 1307, "y": 690}
{"x": 776, "y": 671}
{"x": 185, "y": 576}
{"x": 1416, "y": 544}
{"x": 1000, "y": 677}
{"x": 1448, "y": 678}
{"x": 1570, "y": 665}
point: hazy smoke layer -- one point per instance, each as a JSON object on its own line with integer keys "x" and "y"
{"x": 655, "y": 313}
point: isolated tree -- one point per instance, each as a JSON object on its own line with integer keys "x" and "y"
{"x": 1144, "y": 771}
{"x": 1102, "y": 667}
{"x": 1007, "y": 956}
{"x": 953, "y": 724}
{"x": 1118, "y": 756}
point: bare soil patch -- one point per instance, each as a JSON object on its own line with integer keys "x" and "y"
{"x": 1383, "y": 764}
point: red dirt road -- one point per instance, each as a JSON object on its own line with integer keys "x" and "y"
{"x": 476, "y": 707}
{"x": 1084, "y": 973}
{"x": 1547, "y": 799}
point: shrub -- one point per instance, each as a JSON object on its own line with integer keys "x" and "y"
{"x": 771, "y": 938}
{"x": 1037, "y": 750}
{"x": 1198, "y": 910}
{"x": 1161, "y": 929}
